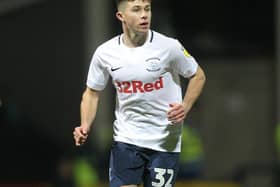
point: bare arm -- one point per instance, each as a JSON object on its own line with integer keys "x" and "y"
{"x": 88, "y": 110}
{"x": 179, "y": 111}
{"x": 194, "y": 89}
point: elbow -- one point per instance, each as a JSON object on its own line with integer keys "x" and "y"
{"x": 201, "y": 75}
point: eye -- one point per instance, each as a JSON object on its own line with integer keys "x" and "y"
{"x": 148, "y": 8}
{"x": 136, "y": 9}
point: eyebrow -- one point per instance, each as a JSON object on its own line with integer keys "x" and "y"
{"x": 137, "y": 6}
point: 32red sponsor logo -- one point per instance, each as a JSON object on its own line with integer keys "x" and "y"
{"x": 138, "y": 86}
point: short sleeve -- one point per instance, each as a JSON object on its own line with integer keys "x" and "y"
{"x": 182, "y": 61}
{"x": 97, "y": 75}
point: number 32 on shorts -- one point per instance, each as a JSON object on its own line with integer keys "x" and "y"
{"x": 160, "y": 177}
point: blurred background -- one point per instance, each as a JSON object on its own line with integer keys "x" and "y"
{"x": 232, "y": 135}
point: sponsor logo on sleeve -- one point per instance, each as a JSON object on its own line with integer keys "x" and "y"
{"x": 186, "y": 53}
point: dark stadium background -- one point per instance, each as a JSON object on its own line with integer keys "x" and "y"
{"x": 45, "y": 50}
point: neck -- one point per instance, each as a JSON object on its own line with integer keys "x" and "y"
{"x": 131, "y": 39}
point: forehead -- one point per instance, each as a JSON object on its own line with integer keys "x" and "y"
{"x": 137, "y": 2}
{"x": 143, "y": 1}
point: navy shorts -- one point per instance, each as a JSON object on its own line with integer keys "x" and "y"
{"x": 130, "y": 164}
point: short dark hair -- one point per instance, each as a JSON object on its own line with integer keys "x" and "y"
{"x": 119, "y": 1}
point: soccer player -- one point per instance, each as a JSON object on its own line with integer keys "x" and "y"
{"x": 145, "y": 67}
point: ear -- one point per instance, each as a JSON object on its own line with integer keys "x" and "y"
{"x": 119, "y": 15}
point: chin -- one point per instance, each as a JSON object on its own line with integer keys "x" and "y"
{"x": 143, "y": 31}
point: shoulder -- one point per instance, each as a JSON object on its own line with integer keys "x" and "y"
{"x": 108, "y": 45}
{"x": 162, "y": 37}
{"x": 164, "y": 40}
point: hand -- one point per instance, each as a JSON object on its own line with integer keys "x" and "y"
{"x": 80, "y": 135}
{"x": 177, "y": 113}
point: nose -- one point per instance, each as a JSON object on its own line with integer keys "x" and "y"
{"x": 144, "y": 14}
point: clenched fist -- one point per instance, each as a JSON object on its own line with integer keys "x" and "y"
{"x": 80, "y": 135}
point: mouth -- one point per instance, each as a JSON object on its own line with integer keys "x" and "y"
{"x": 144, "y": 24}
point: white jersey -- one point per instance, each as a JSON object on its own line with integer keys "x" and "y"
{"x": 146, "y": 79}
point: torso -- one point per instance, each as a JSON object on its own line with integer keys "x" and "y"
{"x": 146, "y": 83}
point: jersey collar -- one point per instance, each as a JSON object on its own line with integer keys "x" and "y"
{"x": 149, "y": 40}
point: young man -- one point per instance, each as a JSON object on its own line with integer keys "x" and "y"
{"x": 145, "y": 68}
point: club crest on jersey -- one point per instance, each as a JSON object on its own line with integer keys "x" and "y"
{"x": 153, "y": 64}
